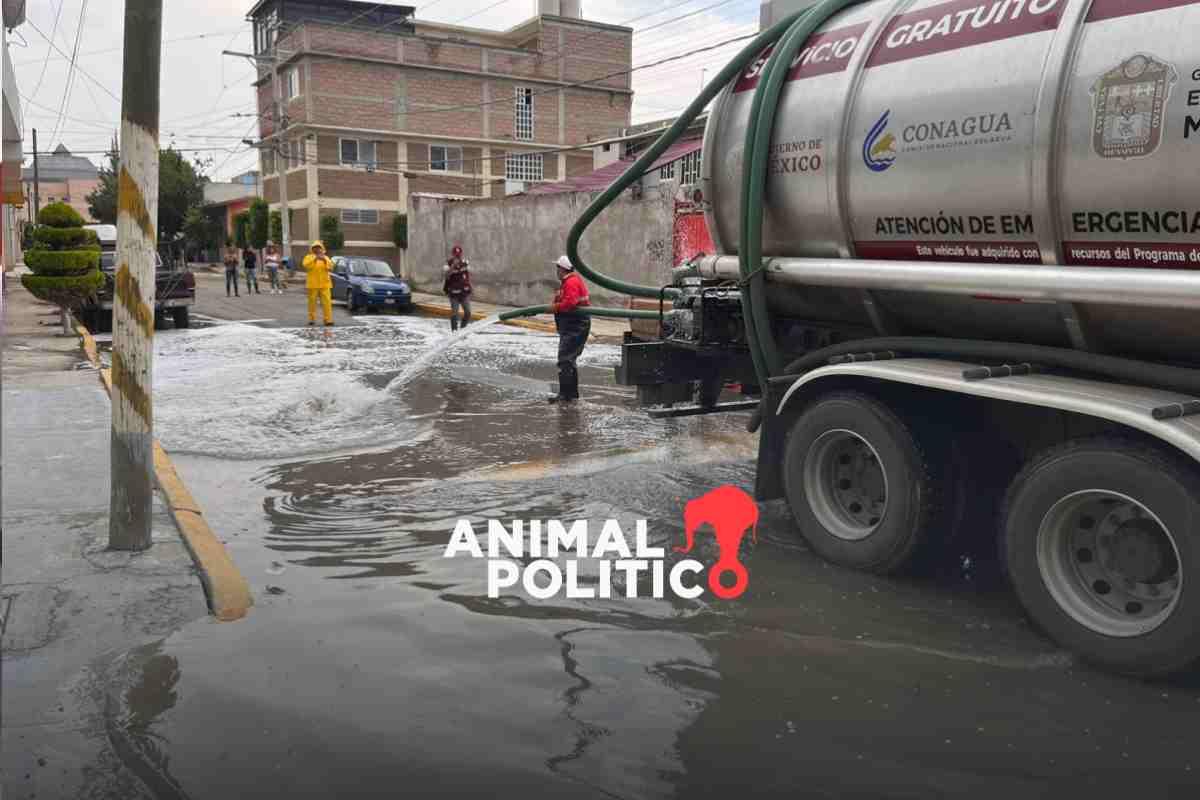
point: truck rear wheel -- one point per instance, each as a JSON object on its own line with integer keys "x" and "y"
{"x": 1102, "y": 543}
{"x": 181, "y": 316}
{"x": 862, "y": 487}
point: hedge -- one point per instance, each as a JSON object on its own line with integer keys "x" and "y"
{"x": 63, "y": 291}
{"x": 66, "y": 238}
{"x": 59, "y": 215}
{"x": 62, "y": 261}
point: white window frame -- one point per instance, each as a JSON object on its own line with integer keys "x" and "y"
{"x": 689, "y": 169}
{"x": 524, "y": 167}
{"x": 355, "y": 216}
{"x": 359, "y": 161}
{"x": 447, "y": 161}
{"x": 291, "y": 84}
{"x": 523, "y": 114}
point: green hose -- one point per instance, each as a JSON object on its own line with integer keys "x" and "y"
{"x": 731, "y": 71}
{"x": 756, "y": 156}
{"x": 618, "y": 313}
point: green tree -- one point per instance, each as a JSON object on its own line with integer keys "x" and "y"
{"x": 277, "y": 225}
{"x": 180, "y": 189}
{"x": 400, "y": 231}
{"x": 331, "y": 234}
{"x": 65, "y": 260}
{"x": 201, "y": 230}
{"x": 102, "y": 202}
{"x": 241, "y": 229}
{"x": 260, "y": 222}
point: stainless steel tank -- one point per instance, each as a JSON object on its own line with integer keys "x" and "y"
{"x": 1061, "y": 132}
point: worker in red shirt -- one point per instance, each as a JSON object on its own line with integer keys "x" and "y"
{"x": 573, "y": 328}
{"x": 456, "y": 284}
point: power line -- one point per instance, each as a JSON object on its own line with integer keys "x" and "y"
{"x": 480, "y": 11}
{"x": 82, "y": 71}
{"x": 71, "y": 69}
{"x": 46, "y": 61}
{"x": 119, "y": 47}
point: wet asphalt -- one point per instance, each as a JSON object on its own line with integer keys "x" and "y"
{"x": 372, "y": 666}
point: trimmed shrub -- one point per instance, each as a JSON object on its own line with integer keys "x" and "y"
{"x": 400, "y": 231}
{"x": 63, "y": 273}
{"x": 62, "y": 262}
{"x": 65, "y": 238}
{"x": 60, "y": 215}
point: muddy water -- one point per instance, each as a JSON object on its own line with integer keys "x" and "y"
{"x": 372, "y": 666}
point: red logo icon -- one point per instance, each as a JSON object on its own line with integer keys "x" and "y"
{"x": 731, "y": 512}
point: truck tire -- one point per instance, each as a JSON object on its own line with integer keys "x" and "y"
{"x": 863, "y": 487}
{"x": 104, "y": 320}
{"x": 1102, "y": 543}
{"x": 181, "y": 316}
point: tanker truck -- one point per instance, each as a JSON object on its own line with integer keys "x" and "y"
{"x": 957, "y": 270}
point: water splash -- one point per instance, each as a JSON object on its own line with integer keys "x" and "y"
{"x": 426, "y": 358}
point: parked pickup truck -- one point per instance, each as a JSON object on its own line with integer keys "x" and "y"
{"x": 175, "y": 289}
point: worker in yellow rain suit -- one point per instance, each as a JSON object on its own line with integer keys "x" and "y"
{"x": 319, "y": 285}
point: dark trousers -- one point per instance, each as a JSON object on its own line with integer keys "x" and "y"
{"x": 457, "y": 300}
{"x": 573, "y": 331}
{"x": 231, "y": 281}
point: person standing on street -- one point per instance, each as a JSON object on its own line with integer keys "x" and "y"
{"x": 318, "y": 266}
{"x": 271, "y": 259}
{"x": 250, "y": 260}
{"x": 573, "y": 328}
{"x": 456, "y": 285}
{"x": 230, "y": 258}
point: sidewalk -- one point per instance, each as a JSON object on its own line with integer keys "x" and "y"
{"x": 67, "y": 602}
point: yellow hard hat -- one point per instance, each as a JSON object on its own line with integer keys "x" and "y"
{"x": 316, "y": 244}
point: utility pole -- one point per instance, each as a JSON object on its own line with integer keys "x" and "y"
{"x": 282, "y": 152}
{"x": 281, "y": 148}
{"x": 36, "y": 180}
{"x": 132, "y": 479}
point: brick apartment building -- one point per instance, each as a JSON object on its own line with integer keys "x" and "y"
{"x": 379, "y": 105}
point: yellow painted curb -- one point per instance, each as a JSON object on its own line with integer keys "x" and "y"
{"x": 228, "y": 593}
{"x": 432, "y": 310}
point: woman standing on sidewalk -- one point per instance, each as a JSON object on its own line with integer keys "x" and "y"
{"x": 271, "y": 259}
{"x": 231, "y": 268}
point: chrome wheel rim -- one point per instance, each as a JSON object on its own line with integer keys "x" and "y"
{"x": 1109, "y": 562}
{"x": 845, "y": 484}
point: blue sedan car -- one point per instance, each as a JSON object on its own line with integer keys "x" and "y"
{"x": 366, "y": 283}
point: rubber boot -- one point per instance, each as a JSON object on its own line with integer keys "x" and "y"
{"x": 454, "y": 322}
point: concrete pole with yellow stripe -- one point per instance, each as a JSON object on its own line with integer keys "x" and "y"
{"x": 132, "y": 494}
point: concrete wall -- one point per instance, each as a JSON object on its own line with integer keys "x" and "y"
{"x": 512, "y": 243}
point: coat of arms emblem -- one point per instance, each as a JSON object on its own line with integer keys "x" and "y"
{"x": 1129, "y": 104}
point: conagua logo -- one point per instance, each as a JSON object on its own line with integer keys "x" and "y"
{"x": 543, "y": 556}
{"x": 1129, "y": 103}
{"x": 879, "y": 149}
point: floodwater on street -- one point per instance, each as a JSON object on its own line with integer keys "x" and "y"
{"x": 373, "y": 666}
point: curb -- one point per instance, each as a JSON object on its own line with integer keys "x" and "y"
{"x": 225, "y": 588}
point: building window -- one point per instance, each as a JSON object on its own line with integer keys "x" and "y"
{"x": 291, "y": 84}
{"x": 360, "y": 216}
{"x": 523, "y": 167}
{"x": 296, "y": 156}
{"x": 264, "y": 31}
{"x": 689, "y": 169}
{"x": 523, "y": 122}
{"x": 443, "y": 158}
{"x": 357, "y": 152}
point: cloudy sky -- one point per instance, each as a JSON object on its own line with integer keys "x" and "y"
{"x": 202, "y": 90}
